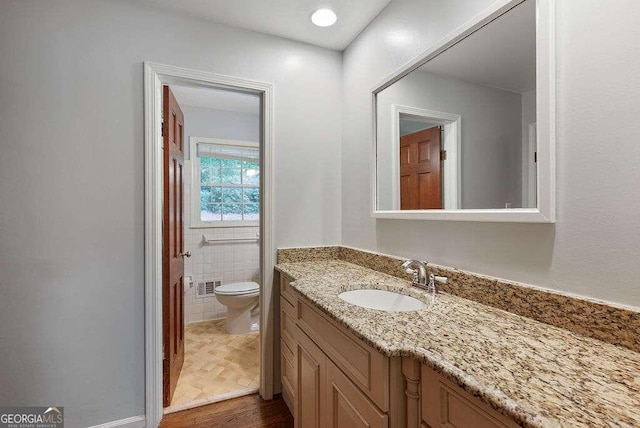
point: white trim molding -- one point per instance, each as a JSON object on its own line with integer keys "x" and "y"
{"x": 529, "y": 188}
{"x": 132, "y": 422}
{"x": 545, "y": 212}
{"x": 452, "y": 140}
{"x": 156, "y": 75}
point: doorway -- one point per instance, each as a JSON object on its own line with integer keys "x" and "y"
{"x": 258, "y": 215}
{"x": 407, "y": 120}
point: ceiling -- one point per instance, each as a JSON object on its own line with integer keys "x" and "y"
{"x": 216, "y": 99}
{"x": 283, "y": 18}
{"x": 502, "y": 54}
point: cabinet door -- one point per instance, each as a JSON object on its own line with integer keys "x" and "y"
{"x": 447, "y": 405}
{"x": 347, "y": 406}
{"x": 311, "y": 383}
{"x": 365, "y": 366}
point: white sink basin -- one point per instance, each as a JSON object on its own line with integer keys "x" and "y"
{"x": 382, "y": 300}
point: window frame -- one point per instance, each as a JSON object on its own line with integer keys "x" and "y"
{"x": 195, "y": 189}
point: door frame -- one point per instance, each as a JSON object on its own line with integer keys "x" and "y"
{"x": 451, "y": 142}
{"x": 529, "y": 168}
{"x": 156, "y": 75}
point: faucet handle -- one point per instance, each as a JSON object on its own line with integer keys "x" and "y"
{"x": 432, "y": 282}
{"x": 441, "y": 279}
{"x": 406, "y": 267}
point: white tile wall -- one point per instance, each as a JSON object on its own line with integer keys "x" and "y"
{"x": 230, "y": 262}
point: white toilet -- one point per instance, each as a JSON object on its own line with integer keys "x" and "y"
{"x": 241, "y": 300}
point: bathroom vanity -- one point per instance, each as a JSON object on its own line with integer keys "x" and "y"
{"x": 330, "y": 377}
{"x": 455, "y": 363}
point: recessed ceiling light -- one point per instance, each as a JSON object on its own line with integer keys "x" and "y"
{"x": 324, "y": 17}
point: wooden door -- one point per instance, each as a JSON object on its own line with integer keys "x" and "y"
{"x": 347, "y": 406}
{"x": 172, "y": 244}
{"x": 310, "y": 391}
{"x": 420, "y": 171}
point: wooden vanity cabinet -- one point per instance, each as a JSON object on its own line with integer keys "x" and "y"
{"x": 330, "y": 378}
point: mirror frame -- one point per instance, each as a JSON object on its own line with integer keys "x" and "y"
{"x": 545, "y": 212}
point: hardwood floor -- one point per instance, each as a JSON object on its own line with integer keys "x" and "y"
{"x": 247, "y": 412}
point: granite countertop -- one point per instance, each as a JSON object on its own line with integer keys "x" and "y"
{"x": 537, "y": 374}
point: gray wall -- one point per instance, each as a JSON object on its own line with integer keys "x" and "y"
{"x": 593, "y": 248}
{"x": 491, "y": 136}
{"x": 71, "y": 184}
{"x": 214, "y": 123}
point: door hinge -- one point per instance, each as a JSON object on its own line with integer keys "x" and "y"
{"x": 443, "y": 155}
{"x": 535, "y": 157}
{"x": 162, "y": 129}
{"x": 165, "y": 365}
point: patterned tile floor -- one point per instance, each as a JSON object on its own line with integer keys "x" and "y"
{"x": 216, "y": 363}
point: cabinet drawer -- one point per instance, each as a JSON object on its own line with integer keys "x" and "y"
{"x": 287, "y": 322}
{"x": 287, "y": 396}
{"x": 287, "y": 347}
{"x": 285, "y": 289}
{"x": 367, "y": 368}
{"x": 288, "y": 371}
{"x": 446, "y": 404}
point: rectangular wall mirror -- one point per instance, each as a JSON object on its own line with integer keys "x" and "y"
{"x": 466, "y": 131}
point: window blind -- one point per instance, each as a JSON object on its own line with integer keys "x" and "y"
{"x": 239, "y": 153}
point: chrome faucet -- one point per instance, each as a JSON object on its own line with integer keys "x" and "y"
{"x": 421, "y": 277}
{"x": 419, "y": 271}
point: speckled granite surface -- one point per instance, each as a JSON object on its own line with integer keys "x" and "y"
{"x": 537, "y": 374}
{"x": 305, "y": 254}
{"x": 613, "y": 324}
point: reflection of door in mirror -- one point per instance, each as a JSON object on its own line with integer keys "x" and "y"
{"x": 420, "y": 171}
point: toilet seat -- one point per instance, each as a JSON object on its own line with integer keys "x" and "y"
{"x": 237, "y": 288}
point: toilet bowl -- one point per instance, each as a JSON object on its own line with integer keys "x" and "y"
{"x": 241, "y": 300}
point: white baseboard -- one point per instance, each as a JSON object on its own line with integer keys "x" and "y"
{"x": 132, "y": 422}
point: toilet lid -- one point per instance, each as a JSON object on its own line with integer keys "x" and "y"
{"x": 237, "y": 288}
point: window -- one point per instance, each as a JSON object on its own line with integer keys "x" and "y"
{"x": 225, "y": 183}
